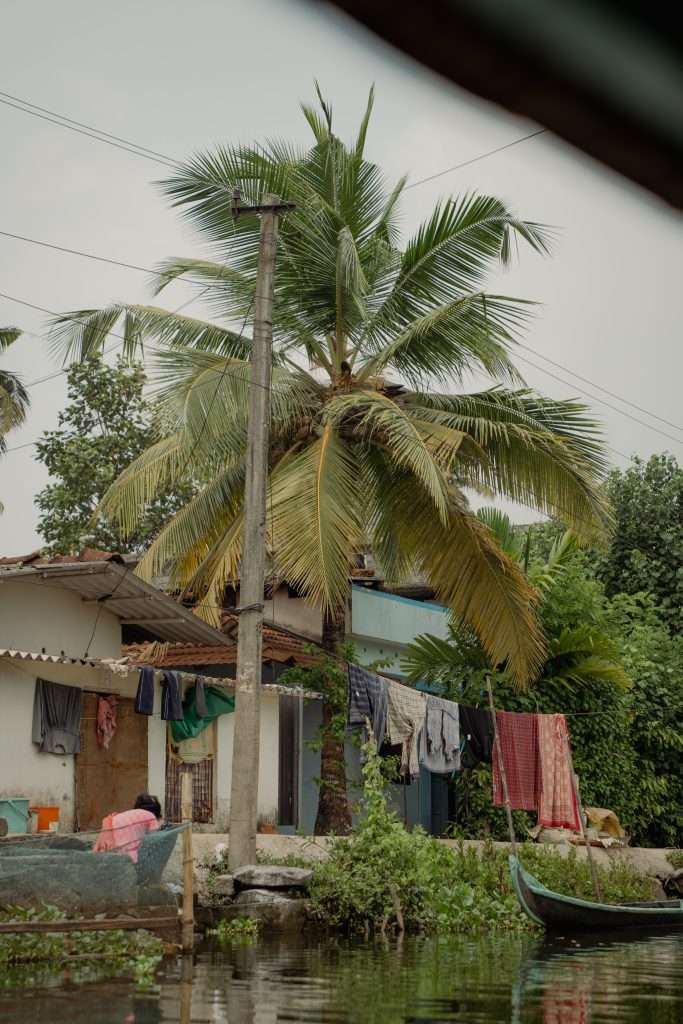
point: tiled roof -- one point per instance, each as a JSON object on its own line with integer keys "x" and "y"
{"x": 278, "y": 645}
{"x": 36, "y": 559}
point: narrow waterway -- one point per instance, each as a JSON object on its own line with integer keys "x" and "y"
{"x": 483, "y": 981}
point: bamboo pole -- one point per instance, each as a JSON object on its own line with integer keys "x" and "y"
{"x": 187, "y": 936}
{"x": 501, "y": 762}
{"x": 186, "y": 980}
{"x": 589, "y": 850}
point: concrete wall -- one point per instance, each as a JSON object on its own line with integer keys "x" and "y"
{"x": 398, "y": 620}
{"x": 34, "y": 617}
{"x": 293, "y": 613}
{"x": 268, "y": 766}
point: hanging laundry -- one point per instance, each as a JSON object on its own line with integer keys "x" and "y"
{"x": 557, "y": 804}
{"x": 144, "y": 698}
{"x": 171, "y": 698}
{"x": 199, "y": 698}
{"x": 217, "y": 702}
{"x": 440, "y": 748}
{"x": 106, "y": 720}
{"x": 518, "y": 747}
{"x": 406, "y": 709}
{"x": 476, "y": 732}
{"x": 368, "y": 701}
{"x": 56, "y": 725}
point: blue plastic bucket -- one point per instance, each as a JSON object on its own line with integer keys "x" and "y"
{"x": 15, "y": 810}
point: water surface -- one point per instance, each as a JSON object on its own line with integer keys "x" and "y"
{"x": 419, "y": 980}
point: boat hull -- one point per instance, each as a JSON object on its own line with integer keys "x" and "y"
{"x": 560, "y": 913}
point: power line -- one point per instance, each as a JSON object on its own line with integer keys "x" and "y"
{"x": 106, "y": 259}
{"x": 476, "y": 159}
{"x": 602, "y": 401}
{"x": 101, "y": 137}
{"x": 89, "y": 127}
{"x": 197, "y": 283}
{"x": 599, "y": 387}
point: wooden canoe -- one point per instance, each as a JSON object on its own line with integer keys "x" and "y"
{"x": 560, "y": 913}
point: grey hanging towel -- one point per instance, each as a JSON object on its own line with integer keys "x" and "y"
{"x": 368, "y": 701}
{"x": 200, "y": 697}
{"x": 144, "y": 698}
{"x": 441, "y": 738}
{"x": 171, "y": 698}
{"x": 56, "y": 718}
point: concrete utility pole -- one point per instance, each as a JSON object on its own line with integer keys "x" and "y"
{"x": 245, "y": 755}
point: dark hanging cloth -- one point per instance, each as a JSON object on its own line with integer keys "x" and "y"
{"x": 368, "y": 701}
{"x": 56, "y": 718}
{"x": 200, "y": 698}
{"x": 144, "y": 698}
{"x": 171, "y": 698}
{"x": 476, "y": 733}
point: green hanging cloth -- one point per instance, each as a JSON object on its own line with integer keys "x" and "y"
{"x": 218, "y": 702}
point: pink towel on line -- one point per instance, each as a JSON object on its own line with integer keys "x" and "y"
{"x": 557, "y": 805}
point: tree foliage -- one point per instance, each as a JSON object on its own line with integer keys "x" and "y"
{"x": 14, "y": 398}
{"x": 646, "y": 553}
{"x": 105, "y": 425}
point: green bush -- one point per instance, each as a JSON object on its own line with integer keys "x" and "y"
{"x": 383, "y": 878}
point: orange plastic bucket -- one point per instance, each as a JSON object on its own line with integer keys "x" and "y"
{"x": 48, "y": 818}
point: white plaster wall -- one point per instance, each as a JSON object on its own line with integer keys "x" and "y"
{"x": 294, "y": 614}
{"x": 268, "y": 765}
{"x": 156, "y": 750}
{"x": 34, "y": 616}
{"x": 45, "y": 779}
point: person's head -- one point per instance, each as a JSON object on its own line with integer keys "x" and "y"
{"x": 146, "y": 802}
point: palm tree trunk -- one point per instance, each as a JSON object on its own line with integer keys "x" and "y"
{"x": 334, "y": 813}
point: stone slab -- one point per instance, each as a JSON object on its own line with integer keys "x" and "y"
{"x": 272, "y": 876}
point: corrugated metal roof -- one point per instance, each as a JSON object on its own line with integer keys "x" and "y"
{"x": 107, "y": 583}
{"x": 126, "y": 666}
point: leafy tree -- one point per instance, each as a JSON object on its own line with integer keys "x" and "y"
{"x": 106, "y": 424}
{"x": 367, "y": 444}
{"x": 646, "y": 553}
{"x": 14, "y": 398}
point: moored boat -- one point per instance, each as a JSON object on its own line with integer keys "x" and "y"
{"x": 557, "y": 912}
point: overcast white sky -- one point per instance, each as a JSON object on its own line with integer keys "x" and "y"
{"x": 178, "y": 77}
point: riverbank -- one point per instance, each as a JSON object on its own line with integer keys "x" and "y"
{"x": 207, "y": 846}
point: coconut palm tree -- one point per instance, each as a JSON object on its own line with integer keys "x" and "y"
{"x": 373, "y": 437}
{"x": 14, "y": 398}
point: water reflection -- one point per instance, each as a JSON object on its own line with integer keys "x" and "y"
{"x": 336, "y": 982}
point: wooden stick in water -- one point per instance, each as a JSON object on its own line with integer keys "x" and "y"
{"x": 501, "y": 762}
{"x": 589, "y": 850}
{"x": 187, "y": 939}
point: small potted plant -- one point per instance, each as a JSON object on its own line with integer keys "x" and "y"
{"x": 266, "y": 825}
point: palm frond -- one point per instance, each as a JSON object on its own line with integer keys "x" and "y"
{"x": 377, "y": 420}
{"x": 315, "y": 511}
{"x": 541, "y": 453}
{"x": 8, "y": 335}
{"x": 475, "y": 332}
{"x": 469, "y": 572}
{"x": 500, "y": 525}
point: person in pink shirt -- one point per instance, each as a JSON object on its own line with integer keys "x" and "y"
{"x": 124, "y": 832}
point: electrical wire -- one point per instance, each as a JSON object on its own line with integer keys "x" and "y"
{"x": 476, "y": 159}
{"x": 594, "y": 398}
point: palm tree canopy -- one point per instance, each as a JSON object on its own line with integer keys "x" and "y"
{"x": 14, "y": 398}
{"x": 576, "y": 655}
{"x": 366, "y": 443}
